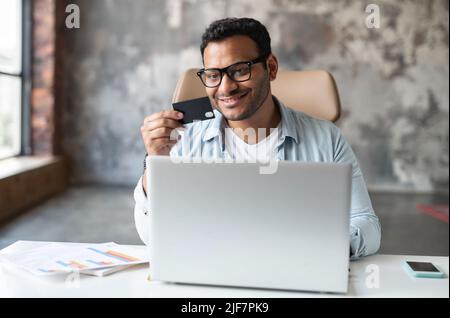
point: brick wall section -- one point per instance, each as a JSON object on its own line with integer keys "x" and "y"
{"x": 60, "y": 68}
{"x": 43, "y": 75}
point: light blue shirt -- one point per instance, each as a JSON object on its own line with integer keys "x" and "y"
{"x": 302, "y": 138}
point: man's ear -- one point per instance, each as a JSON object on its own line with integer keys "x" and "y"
{"x": 272, "y": 66}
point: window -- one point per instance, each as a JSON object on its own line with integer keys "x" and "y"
{"x": 11, "y": 77}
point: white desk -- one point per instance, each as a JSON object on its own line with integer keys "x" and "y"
{"x": 132, "y": 282}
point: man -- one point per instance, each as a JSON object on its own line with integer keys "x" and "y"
{"x": 238, "y": 67}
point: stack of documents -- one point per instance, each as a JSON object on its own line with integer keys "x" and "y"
{"x": 91, "y": 259}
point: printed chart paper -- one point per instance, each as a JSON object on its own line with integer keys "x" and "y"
{"x": 54, "y": 258}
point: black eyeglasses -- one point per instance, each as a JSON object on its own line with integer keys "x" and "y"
{"x": 238, "y": 72}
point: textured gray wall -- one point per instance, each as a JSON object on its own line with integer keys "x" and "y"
{"x": 124, "y": 61}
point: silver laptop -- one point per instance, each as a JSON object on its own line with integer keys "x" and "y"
{"x": 227, "y": 224}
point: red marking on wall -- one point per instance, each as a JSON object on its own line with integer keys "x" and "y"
{"x": 439, "y": 212}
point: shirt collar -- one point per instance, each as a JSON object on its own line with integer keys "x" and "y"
{"x": 288, "y": 124}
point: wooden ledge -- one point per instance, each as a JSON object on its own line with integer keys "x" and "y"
{"x": 28, "y": 180}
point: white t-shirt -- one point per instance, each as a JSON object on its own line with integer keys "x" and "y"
{"x": 260, "y": 152}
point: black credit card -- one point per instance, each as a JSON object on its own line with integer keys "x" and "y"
{"x": 194, "y": 109}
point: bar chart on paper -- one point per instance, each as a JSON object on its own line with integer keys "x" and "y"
{"x": 55, "y": 258}
{"x": 115, "y": 254}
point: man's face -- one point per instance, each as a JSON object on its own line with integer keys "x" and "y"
{"x": 237, "y": 101}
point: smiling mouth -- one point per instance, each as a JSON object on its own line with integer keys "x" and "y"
{"x": 233, "y": 100}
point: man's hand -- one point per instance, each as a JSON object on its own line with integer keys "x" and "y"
{"x": 157, "y": 131}
{"x": 158, "y": 134}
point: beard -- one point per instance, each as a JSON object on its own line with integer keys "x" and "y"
{"x": 254, "y": 104}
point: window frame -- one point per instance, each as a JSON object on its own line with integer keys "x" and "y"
{"x": 25, "y": 80}
{"x": 27, "y": 24}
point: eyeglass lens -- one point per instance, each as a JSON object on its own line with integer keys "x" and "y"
{"x": 239, "y": 72}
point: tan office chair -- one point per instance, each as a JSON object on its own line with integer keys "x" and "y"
{"x": 312, "y": 92}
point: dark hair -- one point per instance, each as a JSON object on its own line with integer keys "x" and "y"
{"x": 224, "y": 28}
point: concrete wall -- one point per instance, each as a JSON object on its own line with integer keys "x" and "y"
{"x": 123, "y": 63}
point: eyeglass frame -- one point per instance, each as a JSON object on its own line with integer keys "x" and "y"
{"x": 223, "y": 71}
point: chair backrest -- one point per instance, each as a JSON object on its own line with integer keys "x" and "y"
{"x": 312, "y": 92}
